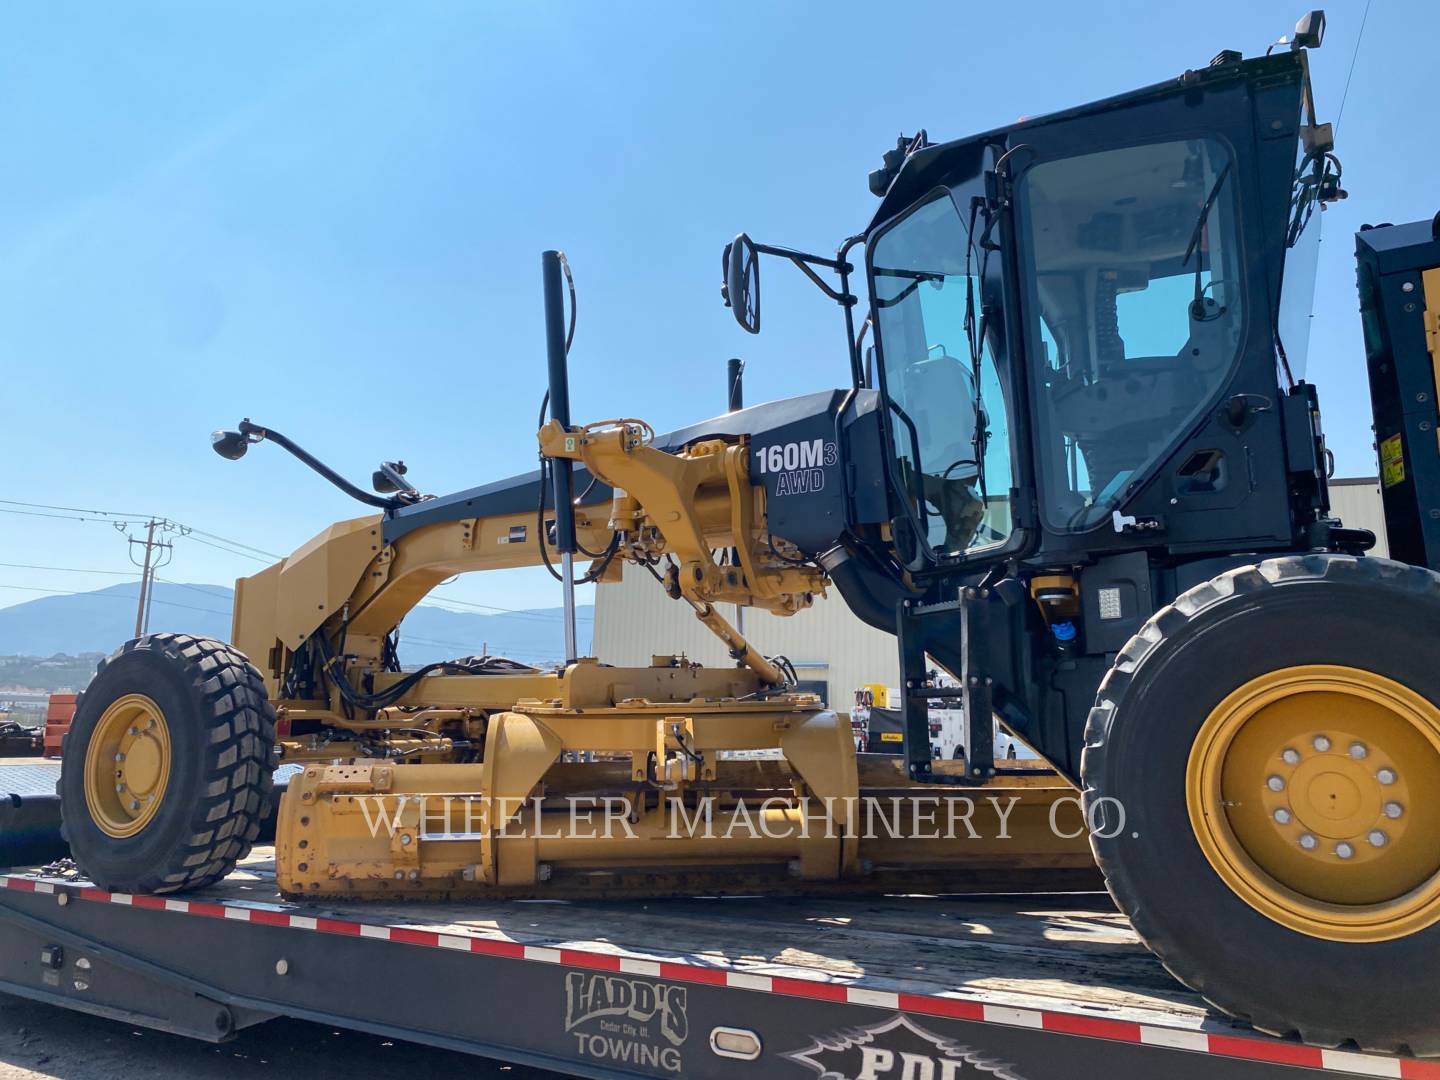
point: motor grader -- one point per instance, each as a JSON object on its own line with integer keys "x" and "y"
{"x": 1077, "y": 467}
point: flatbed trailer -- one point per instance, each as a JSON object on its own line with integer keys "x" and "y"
{"x": 1036, "y": 987}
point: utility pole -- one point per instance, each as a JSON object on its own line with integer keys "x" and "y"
{"x": 148, "y": 566}
{"x": 145, "y": 577}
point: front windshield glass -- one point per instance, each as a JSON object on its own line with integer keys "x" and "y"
{"x": 1134, "y": 313}
{"x": 952, "y": 446}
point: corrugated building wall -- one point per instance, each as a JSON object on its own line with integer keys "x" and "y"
{"x": 634, "y": 620}
{"x": 1356, "y": 502}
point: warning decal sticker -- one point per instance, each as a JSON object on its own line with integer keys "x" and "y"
{"x": 1392, "y": 461}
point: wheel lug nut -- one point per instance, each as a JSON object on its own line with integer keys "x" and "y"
{"x": 1290, "y": 756}
{"x": 134, "y": 804}
{"x": 1282, "y": 815}
{"x": 1378, "y": 838}
{"x": 1321, "y": 743}
{"x": 119, "y": 757}
{"x": 1386, "y": 776}
{"x": 1275, "y": 783}
{"x": 1308, "y": 842}
{"x": 1359, "y": 751}
{"x": 1393, "y": 809}
{"x": 1344, "y": 850}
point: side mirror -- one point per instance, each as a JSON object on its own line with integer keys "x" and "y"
{"x": 1309, "y": 31}
{"x": 741, "y": 291}
{"x": 230, "y": 445}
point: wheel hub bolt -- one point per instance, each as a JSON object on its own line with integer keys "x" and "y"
{"x": 1393, "y": 809}
{"x": 134, "y": 804}
{"x": 1344, "y": 850}
{"x": 1282, "y": 815}
{"x": 1308, "y": 842}
{"x": 119, "y": 787}
{"x": 1386, "y": 776}
{"x": 1378, "y": 838}
{"x": 134, "y": 730}
{"x": 1359, "y": 751}
{"x": 1291, "y": 756}
{"x": 1275, "y": 783}
{"x": 119, "y": 758}
{"x": 1321, "y": 743}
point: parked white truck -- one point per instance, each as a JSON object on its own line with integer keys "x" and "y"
{"x": 947, "y": 724}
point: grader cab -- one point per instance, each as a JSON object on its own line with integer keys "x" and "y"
{"x": 1078, "y": 468}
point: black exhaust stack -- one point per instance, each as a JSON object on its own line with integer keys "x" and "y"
{"x": 560, "y": 468}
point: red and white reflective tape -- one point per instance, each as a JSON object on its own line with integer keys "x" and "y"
{"x": 1250, "y": 1048}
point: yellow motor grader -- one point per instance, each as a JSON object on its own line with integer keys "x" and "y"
{"x": 1078, "y": 468}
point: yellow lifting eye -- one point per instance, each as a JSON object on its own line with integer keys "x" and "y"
{"x": 1306, "y": 791}
{"x": 127, "y": 765}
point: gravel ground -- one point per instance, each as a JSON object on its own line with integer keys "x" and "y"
{"x": 45, "y": 1041}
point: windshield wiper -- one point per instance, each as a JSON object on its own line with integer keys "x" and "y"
{"x": 915, "y": 277}
{"x": 975, "y": 338}
{"x": 1197, "y": 309}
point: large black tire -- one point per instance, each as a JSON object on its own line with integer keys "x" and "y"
{"x": 1370, "y": 614}
{"x": 222, "y": 733}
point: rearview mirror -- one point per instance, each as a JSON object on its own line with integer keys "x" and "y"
{"x": 741, "y": 264}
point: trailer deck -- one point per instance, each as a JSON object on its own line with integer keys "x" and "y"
{"x": 1049, "y": 987}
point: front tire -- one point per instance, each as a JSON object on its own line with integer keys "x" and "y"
{"x": 1262, "y": 766}
{"x": 166, "y": 770}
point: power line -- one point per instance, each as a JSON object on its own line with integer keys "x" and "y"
{"x": 72, "y": 509}
{"x": 1345, "y": 94}
{"x": 69, "y": 569}
{"x": 228, "y": 551}
{"x": 500, "y": 611}
{"x": 234, "y": 543}
{"x": 61, "y": 517}
{"x": 108, "y": 596}
{"x": 69, "y": 513}
{"x": 194, "y": 588}
{"x": 113, "y": 573}
{"x": 238, "y": 548}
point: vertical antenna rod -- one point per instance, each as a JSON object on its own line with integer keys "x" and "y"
{"x": 560, "y": 468}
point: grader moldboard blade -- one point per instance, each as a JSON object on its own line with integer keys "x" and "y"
{"x": 647, "y": 821}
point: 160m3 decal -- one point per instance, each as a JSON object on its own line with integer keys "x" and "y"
{"x": 798, "y": 467}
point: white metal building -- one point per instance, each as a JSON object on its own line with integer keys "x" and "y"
{"x": 634, "y": 620}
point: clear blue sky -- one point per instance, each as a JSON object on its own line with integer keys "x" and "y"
{"x": 328, "y": 217}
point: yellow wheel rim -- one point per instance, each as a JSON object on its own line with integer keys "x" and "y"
{"x": 127, "y": 765}
{"x": 1315, "y": 794}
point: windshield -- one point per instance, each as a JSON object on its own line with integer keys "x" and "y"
{"x": 952, "y": 444}
{"x": 1134, "y": 312}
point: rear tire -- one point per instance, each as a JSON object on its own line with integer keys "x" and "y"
{"x": 1372, "y": 617}
{"x": 201, "y": 767}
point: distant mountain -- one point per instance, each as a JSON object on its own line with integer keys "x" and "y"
{"x": 102, "y": 620}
